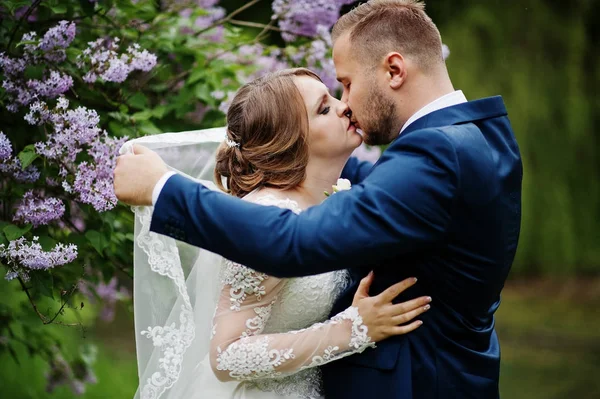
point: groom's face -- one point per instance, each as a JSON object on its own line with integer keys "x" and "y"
{"x": 373, "y": 111}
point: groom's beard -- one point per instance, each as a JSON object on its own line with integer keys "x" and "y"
{"x": 381, "y": 127}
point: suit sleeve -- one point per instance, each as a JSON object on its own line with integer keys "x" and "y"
{"x": 355, "y": 170}
{"x": 405, "y": 204}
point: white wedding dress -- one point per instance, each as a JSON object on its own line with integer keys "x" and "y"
{"x": 266, "y": 336}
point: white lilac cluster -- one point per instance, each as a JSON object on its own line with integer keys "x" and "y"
{"x": 37, "y": 210}
{"x": 72, "y": 132}
{"x": 11, "y": 166}
{"x": 102, "y": 61}
{"x": 21, "y": 256}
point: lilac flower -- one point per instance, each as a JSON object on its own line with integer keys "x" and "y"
{"x": 108, "y": 294}
{"x": 59, "y": 36}
{"x": 304, "y": 17}
{"x": 37, "y": 210}
{"x": 72, "y": 129}
{"x": 94, "y": 182}
{"x": 5, "y": 147}
{"x": 21, "y": 255}
{"x": 102, "y": 61}
{"x": 53, "y": 86}
{"x": 13, "y": 167}
{"x": 75, "y": 374}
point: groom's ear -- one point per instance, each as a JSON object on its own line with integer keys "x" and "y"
{"x": 396, "y": 69}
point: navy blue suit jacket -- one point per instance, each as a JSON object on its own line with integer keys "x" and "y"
{"x": 442, "y": 204}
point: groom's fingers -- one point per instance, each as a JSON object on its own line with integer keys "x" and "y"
{"x": 392, "y": 292}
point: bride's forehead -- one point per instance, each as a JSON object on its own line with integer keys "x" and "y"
{"x": 310, "y": 88}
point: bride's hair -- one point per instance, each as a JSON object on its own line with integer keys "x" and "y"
{"x": 267, "y": 128}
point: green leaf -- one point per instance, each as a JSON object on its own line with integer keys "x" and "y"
{"x": 42, "y": 282}
{"x": 138, "y": 101}
{"x": 34, "y": 71}
{"x": 160, "y": 111}
{"x": 148, "y": 127}
{"x": 13, "y": 232}
{"x": 47, "y": 243}
{"x": 59, "y": 8}
{"x": 196, "y": 75}
{"x": 202, "y": 92}
{"x": 97, "y": 240}
{"x": 27, "y": 157}
{"x": 142, "y": 116}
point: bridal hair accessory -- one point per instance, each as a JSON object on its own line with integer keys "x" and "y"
{"x": 231, "y": 143}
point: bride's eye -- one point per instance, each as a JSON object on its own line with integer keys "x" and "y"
{"x": 325, "y": 111}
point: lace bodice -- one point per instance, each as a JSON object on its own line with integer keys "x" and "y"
{"x": 272, "y": 333}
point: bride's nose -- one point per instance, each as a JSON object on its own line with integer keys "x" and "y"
{"x": 342, "y": 109}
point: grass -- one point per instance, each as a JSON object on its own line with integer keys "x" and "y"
{"x": 549, "y": 333}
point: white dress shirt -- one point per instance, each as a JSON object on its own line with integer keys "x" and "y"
{"x": 448, "y": 100}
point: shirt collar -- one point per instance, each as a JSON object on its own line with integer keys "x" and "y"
{"x": 448, "y": 100}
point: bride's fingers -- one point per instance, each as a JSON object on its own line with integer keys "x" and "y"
{"x": 392, "y": 292}
{"x": 363, "y": 287}
{"x": 405, "y": 307}
{"x": 400, "y": 330}
{"x": 408, "y": 316}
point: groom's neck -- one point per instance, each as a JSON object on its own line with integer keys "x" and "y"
{"x": 422, "y": 90}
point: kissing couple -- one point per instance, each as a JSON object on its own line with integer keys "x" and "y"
{"x": 259, "y": 286}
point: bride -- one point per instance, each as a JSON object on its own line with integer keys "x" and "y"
{"x": 227, "y": 331}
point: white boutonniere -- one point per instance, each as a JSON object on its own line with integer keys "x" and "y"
{"x": 342, "y": 185}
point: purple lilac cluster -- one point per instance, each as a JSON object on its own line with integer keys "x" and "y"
{"x": 37, "y": 210}
{"x": 22, "y": 256}
{"x": 50, "y": 48}
{"x": 11, "y": 166}
{"x": 108, "y": 294}
{"x": 5, "y": 147}
{"x": 75, "y": 375}
{"x": 213, "y": 13}
{"x": 102, "y": 61}
{"x": 262, "y": 61}
{"x": 306, "y": 17}
{"x": 74, "y": 131}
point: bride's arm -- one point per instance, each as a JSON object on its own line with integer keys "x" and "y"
{"x": 239, "y": 350}
{"x": 356, "y": 170}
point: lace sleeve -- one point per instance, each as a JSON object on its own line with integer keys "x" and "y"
{"x": 239, "y": 350}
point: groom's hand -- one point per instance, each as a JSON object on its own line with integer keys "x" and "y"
{"x": 136, "y": 175}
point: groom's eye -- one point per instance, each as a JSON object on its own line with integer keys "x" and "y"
{"x": 325, "y": 111}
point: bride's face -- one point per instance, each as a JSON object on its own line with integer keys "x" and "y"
{"x": 331, "y": 135}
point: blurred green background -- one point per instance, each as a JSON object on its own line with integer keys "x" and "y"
{"x": 543, "y": 58}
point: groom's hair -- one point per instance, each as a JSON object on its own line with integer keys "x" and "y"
{"x": 378, "y": 27}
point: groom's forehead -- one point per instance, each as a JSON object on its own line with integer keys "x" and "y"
{"x": 342, "y": 54}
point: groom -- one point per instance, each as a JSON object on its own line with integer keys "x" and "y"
{"x": 443, "y": 204}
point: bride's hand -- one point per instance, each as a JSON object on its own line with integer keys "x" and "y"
{"x": 383, "y": 318}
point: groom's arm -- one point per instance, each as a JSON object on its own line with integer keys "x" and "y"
{"x": 404, "y": 204}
